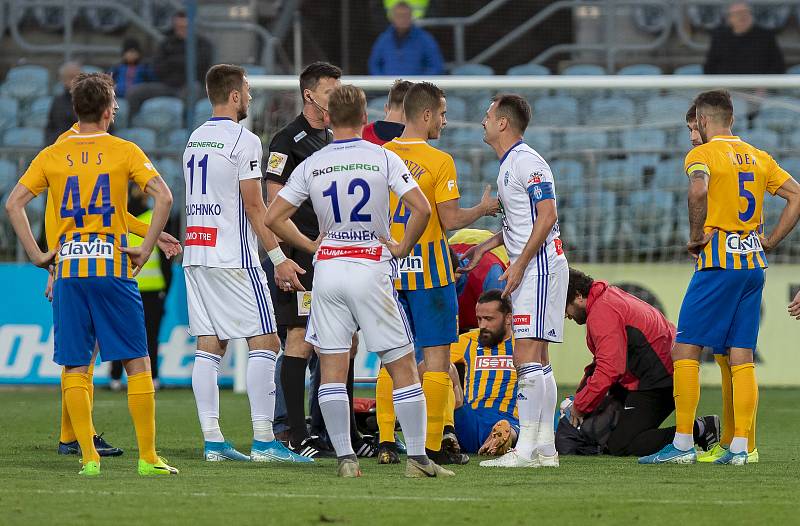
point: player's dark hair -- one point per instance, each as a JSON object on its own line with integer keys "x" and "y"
{"x": 314, "y": 72}
{"x": 92, "y": 94}
{"x": 579, "y": 283}
{"x": 398, "y": 92}
{"x": 221, "y": 80}
{"x": 346, "y": 106}
{"x": 491, "y": 295}
{"x": 716, "y": 104}
{"x": 691, "y": 114}
{"x": 420, "y": 97}
{"x": 514, "y": 108}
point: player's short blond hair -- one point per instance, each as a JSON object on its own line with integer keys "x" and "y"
{"x": 347, "y": 106}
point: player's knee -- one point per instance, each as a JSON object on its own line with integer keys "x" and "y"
{"x": 264, "y": 342}
{"x": 296, "y": 345}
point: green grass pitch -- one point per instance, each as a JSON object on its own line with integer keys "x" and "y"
{"x": 39, "y": 487}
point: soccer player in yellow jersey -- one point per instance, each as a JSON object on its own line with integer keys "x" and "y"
{"x": 721, "y": 358}
{"x": 94, "y": 296}
{"x": 67, "y": 441}
{"x": 426, "y": 285}
{"x": 727, "y": 181}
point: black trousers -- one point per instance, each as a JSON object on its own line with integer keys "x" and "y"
{"x": 153, "y": 312}
{"x": 637, "y": 432}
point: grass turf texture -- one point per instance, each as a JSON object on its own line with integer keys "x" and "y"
{"x": 39, "y": 487}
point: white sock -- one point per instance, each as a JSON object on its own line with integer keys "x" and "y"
{"x": 739, "y": 445}
{"x": 409, "y": 406}
{"x": 683, "y": 441}
{"x": 335, "y": 407}
{"x": 261, "y": 392}
{"x": 546, "y": 436}
{"x": 206, "y": 394}
{"x": 530, "y": 395}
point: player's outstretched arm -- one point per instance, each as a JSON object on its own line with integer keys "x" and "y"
{"x": 789, "y": 190}
{"x": 454, "y": 217}
{"x": 546, "y": 217}
{"x": 162, "y": 198}
{"x": 286, "y": 270}
{"x": 415, "y": 201}
{"x": 15, "y": 207}
{"x": 474, "y": 254}
{"x": 277, "y": 220}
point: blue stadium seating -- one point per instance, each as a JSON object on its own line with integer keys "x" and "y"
{"x": 8, "y": 176}
{"x": 643, "y": 138}
{"x": 144, "y": 137}
{"x": 457, "y": 109}
{"x": 202, "y": 112}
{"x": 36, "y": 116}
{"x": 172, "y": 172}
{"x": 176, "y": 139}
{"x": 539, "y": 140}
{"x": 794, "y": 70}
{"x": 586, "y": 214}
{"x": 668, "y": 110}
{"x": 793, "y": 140}
{"x": 641, "y": 168}
{"x": 104, "y": 20}
{"x": 640, "y": 69}
{"x": 24, "y": 137}
{"x": 463, "y": 137}
{"x": 568, "y": 175}
{"x": 772, "y": 17}
{"x": 649, "y": 217}
{"x": 670, "y": 176}
{"x": 651, "y": 18}
{"x": 528, "y": 69}
{"x": 584, "y": 69}
{"x": 123, "y": 115}
{"x": 557, "y": 110}
{"x": 9, "y": 111}
{"x": 585, "y": 140}
{"x": 472, "y": 69}
{"x": 612, "y": 111}
{"x": 762, "y": 139}
{"x": 614, "y": 175}
{"x": 779, "y": 114}
{"x": 254, "y": 69}
{"x": 160, "y": 114}
{"x": 705, "y": 16}
{"x": 463, "y": 168}
{"x": 375, "y": 108}
{"x": 689, "y": 69}
{"x": 26, "y": 82}
{"x": 791, "y": 165}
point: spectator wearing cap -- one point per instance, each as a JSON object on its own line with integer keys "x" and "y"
{"x": 742, "y": 48}
{"x": 405, "y": 49}
{"x": 131, "y": 70}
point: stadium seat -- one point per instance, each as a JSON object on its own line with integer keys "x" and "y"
{"x": 26, "y": 82}
{"x": 472, "y": 69}
{"x": 650, "y": 217}
{"x": 145, "y": 138}
{"x": 612, "y": 111}
{"x": 584, "y": 69}
{"x": 652, "y": 18}
{"x": 791, "y": 165}
{"x": 614, "y": 175}
{"x": 706, "y": 16}
{"x": 36, "y": 116}
{"x": 463, "y": 137}
{"x": 202, "y": 112}
{"x": 176, "y": 139}
{"x": 489, "y": 171}
{"x": 8, "y": 176}
{"x": 528, "y": 69}
{"x": 644, "y": 139}
{"x": 793, "y": 140}
{"x": 105, "y": 20}
{"x": 9, "y": 111}
{"x": 670, "y": 176}
{"x": 640, "y": 69}
{"x": 568, "y": 175}
{"x": 123, "y": 115}
{"x": 585, "y": 140}
{"x": 160, "y": 114}
{"x": 172, "y": 173}
{"x": 794, "y": 70}
{"x": 762, "y": 139}
{"x": 463, "y": 169}
{"x": 780, "y": 114}
{"x": 557, "y": 110}
{"x": 689, "y": 69}
{"x": 539, "y": 140}
{"x": 24, "y": 137}
{"x": 772, "y": 17}
{"x": 254, "y": 69}
{"x": 640, "y": 168}
{"x": 49, "y": 18}
{"x": 586, "y": 216}
{"x": 457, "y": 109}
{"x": 669, "y": 110}
{"x": 375, "y": 108}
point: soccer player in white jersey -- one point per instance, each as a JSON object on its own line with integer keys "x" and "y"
{"x": 226, "y": 288}
{"x": 536, "y": 280}
{"x": 349, "y": 182}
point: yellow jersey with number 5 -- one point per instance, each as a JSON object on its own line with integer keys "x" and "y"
{"x": 738, "y": 175}
{"x": 87, "y": 177}
{"x": 429, "y": 265}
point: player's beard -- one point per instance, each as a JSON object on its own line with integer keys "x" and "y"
{"x": 241, "y": 112}
{"x": 580, "y": 316}
{"x": 489, "y": 339}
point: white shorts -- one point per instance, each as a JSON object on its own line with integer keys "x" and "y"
{"x": 349, "y": 296}
{"x": 228, "y": 302}
{"x": 538, "y": 305}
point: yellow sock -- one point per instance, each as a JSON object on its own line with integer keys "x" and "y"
{"x": 450, "y": 407}
{"x": 90, "y": 386}
{"x": 76, "y": 396}
{"x": 384, "y": 406}
{"x": 751, "y": 438}
{"x": 686, "y": 393}
{"x": 142, "y": 406}
{"x": 67, "y": 434}
{"x": 727, "y": 399}
{"x": 745, "y": 398}
{"x": 435, "y": 386}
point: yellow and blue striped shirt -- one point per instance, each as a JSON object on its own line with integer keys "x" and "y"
{"x": 490, "y": 380}
{"x": 429, "y": 265}
{"x": 738, "y": 175}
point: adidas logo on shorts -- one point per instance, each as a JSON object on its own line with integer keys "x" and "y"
{"x": 552, "y": 333}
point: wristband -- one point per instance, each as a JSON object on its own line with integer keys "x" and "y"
{"x": 277, "y": 256}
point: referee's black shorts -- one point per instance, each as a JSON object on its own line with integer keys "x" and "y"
{"x": 285, "y": 303}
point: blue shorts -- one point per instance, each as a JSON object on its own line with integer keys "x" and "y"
{"x": 103, "y": 309}
{"x": 473, "y": 426}
{"x": 432, "y": 315}
{"x": 722, "y": 309}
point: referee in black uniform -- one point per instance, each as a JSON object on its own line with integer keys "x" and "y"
{"x": 290, "y": 146}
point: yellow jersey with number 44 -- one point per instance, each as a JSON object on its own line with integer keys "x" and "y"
{"x": 738, "y": 175}
{"x": 87, "y": 178}
{"x": 429, "y": 265}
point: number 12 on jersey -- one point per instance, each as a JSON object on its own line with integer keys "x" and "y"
{"x": 355, "y": 214}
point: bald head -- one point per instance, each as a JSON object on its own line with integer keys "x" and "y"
{"x": 67, "y": 73}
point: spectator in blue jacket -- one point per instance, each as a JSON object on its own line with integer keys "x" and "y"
{"x": 405, "y": 49}
{"x": 131, "y": 70}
